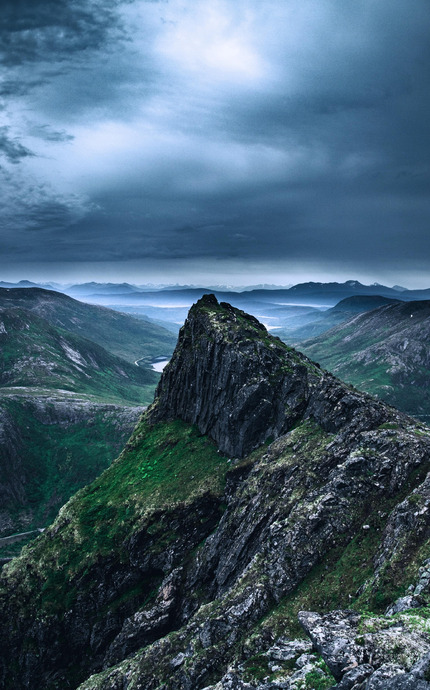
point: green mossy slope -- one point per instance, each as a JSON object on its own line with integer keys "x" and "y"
{"x": 162, "y": 467}
{"x": 60, "y": 445}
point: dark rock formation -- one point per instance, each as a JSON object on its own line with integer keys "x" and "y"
{"x": 242, "y": 386}
{"x": 195, "y": 583}
{"x": 371, "y": 653}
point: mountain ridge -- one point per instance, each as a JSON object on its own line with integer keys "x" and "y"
{"x": 121, "y": 334}
{"x": 384, "y": 351}
{"x": 36, "y": 353}
{"x": 181, "y": 569}
{"x": 329, "y": 318}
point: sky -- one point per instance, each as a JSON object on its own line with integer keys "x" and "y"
{"x": 215, "y": 141}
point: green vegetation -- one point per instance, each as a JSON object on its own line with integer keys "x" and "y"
{"x": 120, "y": 334}
{"x": 35, "y": 353}
{"x": 318, "y": 679}
{"x": 162, "y": 467}
{"x": 12, "y": 550}
{"x": 58, "y": 458}
{"x": 257, "y": 669}
{"x": 55, "y": 388}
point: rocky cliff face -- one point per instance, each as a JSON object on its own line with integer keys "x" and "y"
{"x": 241, "y": 386}
{"x": 182, "y": 569}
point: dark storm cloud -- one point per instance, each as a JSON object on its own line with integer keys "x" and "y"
{"x": 48, "y": 134}
{"x": 53, "y": 29}
{"x": 293, "y": 131}
{"x": 16, "y": 88}
{"x": 13, "y": 151}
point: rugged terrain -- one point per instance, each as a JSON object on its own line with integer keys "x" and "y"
{"x": 384, "y": 352}
{"x": 256, "y": 487}
{"x": 67, "y": 406}
{"x": 120, "y": 334}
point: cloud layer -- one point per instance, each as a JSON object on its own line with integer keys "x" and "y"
{"x": 180, "y": 136}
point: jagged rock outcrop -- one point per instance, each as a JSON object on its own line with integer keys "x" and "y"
{"x": 241, "y": 387}
{"x": 182, "y": 569}
{"x": 372, "y": 653}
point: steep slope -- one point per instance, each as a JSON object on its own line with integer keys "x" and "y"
{"x": 35, "y": 353}
{"x": 120, "y": 334}
{"x": 384, "y": 352}
{"x": 67, "y": 406}
{"x": 183, "y": 568}
{"x": 51, "y": 444}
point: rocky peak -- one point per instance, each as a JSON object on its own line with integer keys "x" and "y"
{"x": 176, "y": 568}
{"x": 242, "y": 386}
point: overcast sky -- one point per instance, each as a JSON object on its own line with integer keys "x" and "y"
{"x": 230, "y": 141}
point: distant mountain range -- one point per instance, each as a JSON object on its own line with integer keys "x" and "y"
{"x": 314, "y": 291}
{"x": 282, "y": 308}
{"x": 310, "y": 292}
{"x": 384, "y": 352}
{"x": 324, "y": 294}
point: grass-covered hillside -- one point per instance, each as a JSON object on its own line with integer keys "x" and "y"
{"x": 384, "y": 352}
{"x": 67, "y": 406}
{"x": 51, "y": 444}
{"x": 35, "y": 353}
{"x": 120, "y": 334}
